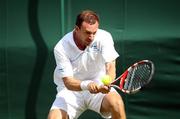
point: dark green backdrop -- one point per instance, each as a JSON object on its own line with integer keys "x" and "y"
{"x": 142, "y": 29}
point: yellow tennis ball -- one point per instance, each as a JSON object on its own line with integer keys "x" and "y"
{"x": 106, "y": 79}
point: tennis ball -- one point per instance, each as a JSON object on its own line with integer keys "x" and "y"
{"x": 106, "y": 79}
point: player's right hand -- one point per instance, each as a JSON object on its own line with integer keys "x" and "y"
{"x": 95, "y": 88}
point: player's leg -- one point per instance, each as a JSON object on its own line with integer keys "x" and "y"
{"x": 67, "y": 104}
{"x": 113, "y": 103}
{"x": 57, "y": 114}
{"x": 107, "y": 105}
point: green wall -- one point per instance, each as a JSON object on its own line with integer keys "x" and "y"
{"x": 142, "y": 29}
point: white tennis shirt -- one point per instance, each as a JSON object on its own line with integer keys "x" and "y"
{"x": 88, "y": 64}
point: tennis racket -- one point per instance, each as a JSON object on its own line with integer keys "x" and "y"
{"x": 135, "y": 77}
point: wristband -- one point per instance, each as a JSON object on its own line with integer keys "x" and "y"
{"x": 84, "y": 84}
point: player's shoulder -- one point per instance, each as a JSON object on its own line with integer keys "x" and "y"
{"x": 64, "y": 40}
{"x": 104, "y": 32}
{"x": 103, "y": 36}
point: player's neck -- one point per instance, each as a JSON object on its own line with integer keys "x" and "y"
{"x": 77, "y": 42}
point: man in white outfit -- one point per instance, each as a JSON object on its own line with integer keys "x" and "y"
{"x": 82, "y": 57}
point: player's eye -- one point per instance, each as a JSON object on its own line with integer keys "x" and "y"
{"x": 89, "y": 33}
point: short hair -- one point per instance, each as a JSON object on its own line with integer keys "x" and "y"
{"x": 87, "y": 16}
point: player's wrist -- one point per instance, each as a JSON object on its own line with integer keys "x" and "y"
{"x": 84, "y": 84}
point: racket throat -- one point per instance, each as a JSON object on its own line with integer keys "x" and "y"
{"x": 122, "y": 80}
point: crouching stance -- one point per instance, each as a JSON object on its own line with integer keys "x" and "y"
{"x": 82, "y": 57}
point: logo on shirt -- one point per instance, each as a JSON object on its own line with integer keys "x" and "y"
{"x": 61, "y": 70}
{"x": 94, "y": 47}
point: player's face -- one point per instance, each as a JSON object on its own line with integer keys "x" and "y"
{"x": 87, "y": 33}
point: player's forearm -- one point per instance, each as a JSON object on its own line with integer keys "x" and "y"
{"x": 77, "y": 85}
{"x": 111, "y": 69}
{"x": 72, "y": 83}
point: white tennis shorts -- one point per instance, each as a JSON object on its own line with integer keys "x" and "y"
{"x": 76, "y": 102}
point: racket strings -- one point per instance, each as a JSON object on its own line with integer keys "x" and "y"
{"x": 128, "y": 80}
{"x": 139, "y": 76}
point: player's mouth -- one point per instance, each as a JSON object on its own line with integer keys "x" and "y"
{"x": 89, "y": 41}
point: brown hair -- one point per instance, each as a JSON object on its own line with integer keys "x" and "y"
{"x": 87, "y": 16}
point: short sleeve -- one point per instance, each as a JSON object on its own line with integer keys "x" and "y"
{"x": 108, "y": 50}
{"x": 63, "y": 63}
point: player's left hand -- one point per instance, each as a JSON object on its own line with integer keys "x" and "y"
{"x": 104, "y": 89}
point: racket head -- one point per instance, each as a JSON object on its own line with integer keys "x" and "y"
{"x": 135, "y": 77}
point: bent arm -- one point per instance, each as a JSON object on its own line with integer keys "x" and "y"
{"x": 76, "y": 85}
{"x": 111, "y": 69}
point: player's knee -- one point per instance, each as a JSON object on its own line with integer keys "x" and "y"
{"x": 52, "y": 115}
{"x": 116, "y": 104}
{"x": 57, "y": 114}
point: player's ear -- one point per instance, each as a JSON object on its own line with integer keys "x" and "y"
{"x": 76, "y": 28}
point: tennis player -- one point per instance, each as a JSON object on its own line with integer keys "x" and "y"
{"x": 82, "y": 57}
